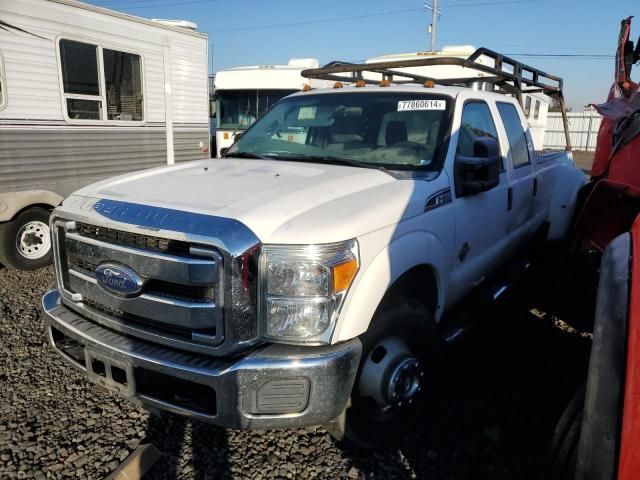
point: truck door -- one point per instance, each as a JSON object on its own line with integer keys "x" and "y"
{"x": 480, "y": 218}
{"x": 520, "y": 200}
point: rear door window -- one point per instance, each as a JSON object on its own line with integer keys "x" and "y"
{"x": 515, "y": 134}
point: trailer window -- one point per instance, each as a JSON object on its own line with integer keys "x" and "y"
{"x": 3, "y": 87}
{"x": 79, "y": 63}
{"x": 515, "y": 134}
{"x": 117, "y": 96}
{"x": 123, "y": 84}
{"x": 536, "y": 112}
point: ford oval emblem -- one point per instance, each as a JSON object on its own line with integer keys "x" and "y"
{"x": 119, "y": 280}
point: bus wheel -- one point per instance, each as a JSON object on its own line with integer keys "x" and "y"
{"x": 25, "y": 241}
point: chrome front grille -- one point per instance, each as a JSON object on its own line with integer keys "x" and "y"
{"x": 194, "y": 293}
{"x": 182, "y": 295}
{"x": 148, "y": 242}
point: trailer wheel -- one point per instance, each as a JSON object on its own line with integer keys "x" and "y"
{"x": 397, "y": 374}
{"x": 25, "y": 241}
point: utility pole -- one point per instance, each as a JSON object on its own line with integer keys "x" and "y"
{"x": 435, "y": 13}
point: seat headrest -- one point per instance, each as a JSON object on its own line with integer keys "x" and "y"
{"x": 396, "y": 132}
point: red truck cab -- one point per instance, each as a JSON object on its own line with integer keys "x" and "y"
{"x": 598, "y": 435}
{"x": 629, "y": 463}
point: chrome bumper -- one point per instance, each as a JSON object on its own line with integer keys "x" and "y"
{"x": 275, "y": 386}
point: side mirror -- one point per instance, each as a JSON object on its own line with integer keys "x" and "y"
{"x": 482, "y": 171}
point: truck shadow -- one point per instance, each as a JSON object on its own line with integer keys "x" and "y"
{"x": 501, "y": 393}
{"x": 192, "y": 450}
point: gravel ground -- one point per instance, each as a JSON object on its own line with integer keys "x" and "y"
{"x": 584, "y": 160}
{"x": 503, "y": 389}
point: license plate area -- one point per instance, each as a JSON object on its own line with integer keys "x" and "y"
{"x": 113, "y": 374}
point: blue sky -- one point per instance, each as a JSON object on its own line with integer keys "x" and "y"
{"x": 245, "y": 32}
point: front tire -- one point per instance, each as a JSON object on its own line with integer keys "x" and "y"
{"x": 397, "y": 374}
{"x": 25, "y": 241}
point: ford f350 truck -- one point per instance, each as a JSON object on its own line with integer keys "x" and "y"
{"x": 302, "y": 280}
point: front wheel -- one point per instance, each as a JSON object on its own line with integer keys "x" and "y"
{"x": 25, "y": 242}
{"x": 397, "y": 374}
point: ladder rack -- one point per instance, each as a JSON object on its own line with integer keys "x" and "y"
{"x": 507, "y": 74}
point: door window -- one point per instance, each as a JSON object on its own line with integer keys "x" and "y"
{"x": 515, "y": 134}
{"x": 476, "y": 122}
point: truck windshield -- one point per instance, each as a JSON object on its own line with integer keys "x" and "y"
{"x": 238, "y": 109}
{"x": 392, "y": 129}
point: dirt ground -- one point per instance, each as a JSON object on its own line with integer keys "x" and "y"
{"x": 584, "y": 160}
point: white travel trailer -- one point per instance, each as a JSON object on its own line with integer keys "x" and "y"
{"x": 87, "y": 93}
{"x": 535, "y": 105}
{"x": 245, "y": 93}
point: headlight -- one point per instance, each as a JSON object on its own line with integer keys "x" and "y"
{"x": 303, "y": 288}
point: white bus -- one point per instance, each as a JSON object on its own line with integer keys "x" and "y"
{"x": 245, "y": 93}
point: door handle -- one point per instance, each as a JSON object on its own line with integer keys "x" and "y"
{"x": 509, "y": 198}
{"x": 535, "y": 186}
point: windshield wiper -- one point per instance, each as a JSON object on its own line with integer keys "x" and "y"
{"x": 329, "y": 159}
{"x": 245, "y": 155}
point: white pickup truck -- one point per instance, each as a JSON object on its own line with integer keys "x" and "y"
{"x": 302, "y": 278}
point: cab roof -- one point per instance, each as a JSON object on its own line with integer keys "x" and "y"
{"x": 450, "y": 91}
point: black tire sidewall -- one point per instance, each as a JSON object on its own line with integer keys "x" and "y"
{"x": 561, "y": 457}
{"x": 412, "y": 322}
{"x": 9, "y": 255}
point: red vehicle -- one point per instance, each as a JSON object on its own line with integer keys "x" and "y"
{"x": 598, "y": 435}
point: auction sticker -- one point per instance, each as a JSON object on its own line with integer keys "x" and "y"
{"x": 413, "y": 105}
{"x": 307, "y": 113}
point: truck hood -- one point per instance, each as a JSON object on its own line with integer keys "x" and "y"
{"x": 281, "y": 202}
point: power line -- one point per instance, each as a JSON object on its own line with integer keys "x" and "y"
{"x": 110, "y": 3}
{"x": 487, "y": 4}
{"x": 556, "y": 47}
{"x": 560, "y": 55}
{"x": 155, "y": 5}
{"x": 312, "y": 22}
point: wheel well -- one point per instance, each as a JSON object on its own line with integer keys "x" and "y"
{"x": 35, "y": 205}
{"x": 419, "y": 283}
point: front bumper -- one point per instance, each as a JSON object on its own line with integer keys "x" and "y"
{"x": 275, "y": 386}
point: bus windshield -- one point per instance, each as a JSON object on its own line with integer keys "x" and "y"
{"x": 238, "y": 109}
{"x": 394, "y": 130}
